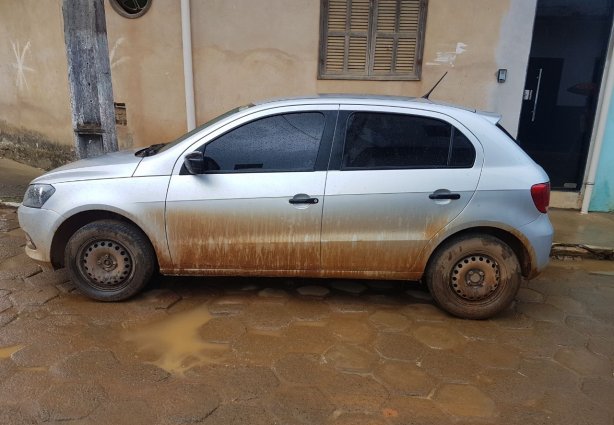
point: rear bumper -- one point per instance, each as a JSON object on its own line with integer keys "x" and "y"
{"x": 40, "y": 225}
{"x": 539, "y": 234}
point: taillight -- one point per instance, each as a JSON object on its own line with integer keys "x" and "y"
{"x": 541, "y": 196}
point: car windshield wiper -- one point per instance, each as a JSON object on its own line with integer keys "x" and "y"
{"x": 151, "y": 150}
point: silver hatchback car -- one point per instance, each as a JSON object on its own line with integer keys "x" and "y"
{"x": 330, "y": 186}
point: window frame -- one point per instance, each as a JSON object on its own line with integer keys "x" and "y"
{"x": 322, "y": 155}
{"x": 371, "y": 46}
{"x": 341, "y": 135}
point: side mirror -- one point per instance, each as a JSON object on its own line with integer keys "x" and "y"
{"x": 195, "y": 162}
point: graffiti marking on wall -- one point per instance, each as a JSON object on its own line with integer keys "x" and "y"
{"x": 112, "y": 59}
{"x": 20, "y": 66}
{"x": 448, "y": 58}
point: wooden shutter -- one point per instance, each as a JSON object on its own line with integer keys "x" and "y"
{"x": 371, "y": 39}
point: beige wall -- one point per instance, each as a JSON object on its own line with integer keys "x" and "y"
{"x": 246, "y": 50}
{"x": 33, "y": 74}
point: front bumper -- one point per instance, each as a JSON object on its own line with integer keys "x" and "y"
{"x": 40, "y": 225}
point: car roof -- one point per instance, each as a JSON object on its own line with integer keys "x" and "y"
{"x": 377, "y": 100}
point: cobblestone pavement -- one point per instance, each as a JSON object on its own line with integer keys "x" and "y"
{"x": 262, "y": 351}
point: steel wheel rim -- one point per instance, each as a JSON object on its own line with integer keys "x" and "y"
{"x": 475, "y": 277}
{"x": 106, "y": 264}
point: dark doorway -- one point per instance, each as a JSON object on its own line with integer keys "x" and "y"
{"x": 570, "y": 41}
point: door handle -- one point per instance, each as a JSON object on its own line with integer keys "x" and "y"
{"x": 539, "y": 82}
{"x": 444, "y": 196}
{"x": 296, "y": 200}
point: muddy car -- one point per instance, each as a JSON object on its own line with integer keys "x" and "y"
{"x": 330, "y": 186}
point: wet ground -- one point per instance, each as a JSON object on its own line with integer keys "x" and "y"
{"x": 263, "y": 351}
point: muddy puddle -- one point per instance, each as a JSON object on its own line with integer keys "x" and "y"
{"x": 174, "y": 343}
{"x": 7, "y": 352}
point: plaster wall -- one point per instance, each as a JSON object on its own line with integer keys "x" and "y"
{"x": 33, "y": 72}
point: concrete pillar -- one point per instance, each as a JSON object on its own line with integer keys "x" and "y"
{"x": 89, "y": 75}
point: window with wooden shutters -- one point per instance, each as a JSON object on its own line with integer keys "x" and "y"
{"x": 372, "y": 39}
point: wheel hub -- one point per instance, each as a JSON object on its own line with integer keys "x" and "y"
{"x": 475, "y": 277}
{"x": 106, "y": 263}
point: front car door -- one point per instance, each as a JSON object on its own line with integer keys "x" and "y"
{"x": 258, "y": 208}
{"x": 397, "y": 177}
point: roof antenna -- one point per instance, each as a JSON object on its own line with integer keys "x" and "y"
{"x": 426, "y": 96}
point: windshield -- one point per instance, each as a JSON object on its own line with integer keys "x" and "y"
{"x": 207, "y": 124}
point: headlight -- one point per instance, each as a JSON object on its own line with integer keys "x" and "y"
{"x": 37, "y": 195}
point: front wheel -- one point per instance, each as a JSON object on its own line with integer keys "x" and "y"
{"x": 109, "y": 260}
{"x": 474, "y": 276}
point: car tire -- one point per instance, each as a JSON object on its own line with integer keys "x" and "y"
{"x": 474, "y": 276}
{"x": 109, "y": 260}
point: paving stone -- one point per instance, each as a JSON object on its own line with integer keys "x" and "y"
{"x": 411, "y": 410}
{"x": 257, "y": 348}
{"x": 222, "y": 330}
{"x": 313, "y": 291}
{"x": 465, "y": 401}
{"x": 300, "y": 368}
{"x": 600, "y": 390}
{"x": 572, "y": 408}
{"x": 511, "y": 319}
{"x": 65, "y": 287}
{"x": 490, "y": 354}
{"x": 239, "y": 413}
{"x": 450, "y": 366}
{"x": 242, "y": 383}
{"x": 590, "y": 326}
{"x": 160, "y": 299}
{"x": 5, "y": 303}
{"x": 545, "y": 312}
{"x": 359, "y": 419}
{"x": 353, "y": 393}
{"x": 11, "y": 284}
{"x": 303, "y": 338}
{"x": 186, "y": 403}
{"x": 7, "y": 368}
{"x": 305, "y": 405}
{"x": 353, "y": 329}
{"x": 546, "y": 373}
{"x": 405, "y": 379}
{"x": 19, "y": 266}
{"x": 124, "y": 412}
{"x": 510, "y": 386}
{"x": 399, "y": 347}
{"x": 274, "y": 293}
{"x": 303, "y": 309}
{"x": 267, "y": 316}
{"x": 351, "y": 358}
{"x": 69, "y": 401}
{"x": 7, "y": 316}
{"x": 138, "y": 375}
{"x": 418, "y": 294}
{"x": 15, "y": 415}
{"x": 584, "y": 362}
{"x": 228, "y": 305}
{"x": 602, "y": 346}
{"x": 86, "y": 364}
{"x": 9, "y": 248}
{"x": 349, "y": 304}
{"x": 33, "y": 297}
{"x": 349, "y": 286}
{"x": 544, "y": 339}
{"x": 42, "y": 352}
{"x": 527, "y": 295}
{"x": 390, "y": 321}
{"x": 48, "y": 278}
{"x": 439, "y": 337}
{"x": 24, "y": 386}
{"x": 567, "y": 304}
{"x": 425, "y": 313}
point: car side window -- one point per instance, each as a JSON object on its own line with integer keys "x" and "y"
{"x": 387, "y": 141}
{"x": 286, "y": 142}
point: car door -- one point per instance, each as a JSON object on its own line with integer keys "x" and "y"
{"x": 258, "y": 207}
{"x": 397, "y": 177}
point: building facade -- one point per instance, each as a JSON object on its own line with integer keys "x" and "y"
{"x": 247, "y": 50}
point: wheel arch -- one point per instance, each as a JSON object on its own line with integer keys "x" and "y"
{"x": 78, "y": 220}
{"x": 514, "y": 241}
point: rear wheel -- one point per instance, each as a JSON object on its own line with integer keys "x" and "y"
{"x": 109, "y": 260}
{"x": 474, "y": 276}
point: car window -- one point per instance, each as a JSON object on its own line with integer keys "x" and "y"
{"x": 386, "y": 141}
{"x": 287, "y": 142}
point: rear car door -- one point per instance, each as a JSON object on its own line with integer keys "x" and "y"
{"x": 397, "y": 177}
{"x": 259, "y": 207}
